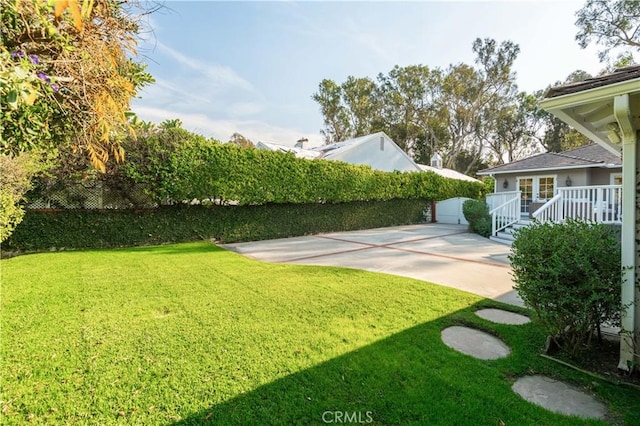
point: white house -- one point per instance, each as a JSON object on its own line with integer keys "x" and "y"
{"x": 377, "y": 150}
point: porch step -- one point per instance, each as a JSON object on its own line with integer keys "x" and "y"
{"x": 501, "y": 240}
{"x": 506, "y": 235}
{"x": 522, "y": 223}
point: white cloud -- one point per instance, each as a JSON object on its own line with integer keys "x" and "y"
{"x": 223, "y": 129}
{"x": 216, "y": 75}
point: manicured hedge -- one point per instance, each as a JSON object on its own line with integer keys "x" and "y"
{"x": 177, "y": 166}
{"x": 81, "y": 229}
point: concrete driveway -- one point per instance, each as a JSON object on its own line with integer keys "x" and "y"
{"x": 443, "y": 254}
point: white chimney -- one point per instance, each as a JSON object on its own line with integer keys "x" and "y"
{"x": 303, "y": 143}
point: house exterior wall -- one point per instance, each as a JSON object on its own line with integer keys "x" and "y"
{"x": 578, "y": 177}
{"x": 387, "y": 159}
{"x": 602, "y": 176}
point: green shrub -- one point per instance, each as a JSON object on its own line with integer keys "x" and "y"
{"x": 81, "y": 229}
{"x": 476, "y": 213}
{"x": 175, "y": 165}
{"x": 15, "y": 181}
{"x": 570, "y": 275}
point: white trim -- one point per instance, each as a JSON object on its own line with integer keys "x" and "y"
{"x": 549, "y": 169}
{"x": 589, "y": 96}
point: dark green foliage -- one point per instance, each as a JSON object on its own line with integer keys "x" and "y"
{"x": 570, "y": 275}
{"x": 175, "y": 165}
{"x": 76, "y": 229}
{"x": 476, "y": 213}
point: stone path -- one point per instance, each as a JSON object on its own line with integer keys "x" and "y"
{"x": 550, "y": 394}
{"x": 559, "y": 397}
{"x": 474, "y": 342}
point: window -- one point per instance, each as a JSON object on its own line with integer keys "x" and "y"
{"x": 546, "y": 188}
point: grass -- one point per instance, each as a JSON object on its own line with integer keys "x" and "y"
{"x": 192, "y": 334}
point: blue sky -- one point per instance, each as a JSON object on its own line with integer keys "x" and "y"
{"x": 251, "y": 67}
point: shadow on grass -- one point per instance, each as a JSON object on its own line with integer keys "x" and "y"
{"x": 409, "y": 377}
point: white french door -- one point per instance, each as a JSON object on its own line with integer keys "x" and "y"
{"x": 535, "y": 188}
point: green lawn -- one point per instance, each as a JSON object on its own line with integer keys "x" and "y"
{"x": 191, "y": 334}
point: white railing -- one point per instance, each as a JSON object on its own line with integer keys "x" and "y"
{"x": 601, "y": 204}
{"x": 505, "y": 214}
{"x": 499, "y": 198}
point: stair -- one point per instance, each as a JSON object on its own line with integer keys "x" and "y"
{"x": 506, "y": 235}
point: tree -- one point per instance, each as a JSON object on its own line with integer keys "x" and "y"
{"x": 509, "y": 131}
{"x": 471, "y": 95}
{"x": 552, "y": 133}
{"x": 454, "y": 111}
{"x": 82, "y": 57}
{"x": 240, "y": 140}
{"x": 335, "y": 113}
{"x": 66, "y": 80}
{"x": 408, "y": 95}
{"x": 361, "y": 99}
{"x": 612, "y": 24}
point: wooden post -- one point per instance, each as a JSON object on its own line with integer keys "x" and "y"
{"x": 433, "y": 211}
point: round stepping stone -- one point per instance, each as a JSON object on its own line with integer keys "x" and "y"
{"x": 559, "y": 397}
{"x": 474, "y": 342}
{"x": 502, "y": 317}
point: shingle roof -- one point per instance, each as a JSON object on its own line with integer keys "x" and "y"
{"x": 619, "y": 75}
{"x": 592, "y": 155}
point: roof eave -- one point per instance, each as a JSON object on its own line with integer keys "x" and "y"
{"x": 548, "y": 169}
{"x": 565, "y": 107}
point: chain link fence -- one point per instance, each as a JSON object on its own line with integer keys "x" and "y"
{"x": 93, "y": 194}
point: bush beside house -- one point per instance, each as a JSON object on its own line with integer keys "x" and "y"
{"x": 570, "y": 274}
{"x": 477, "y": 214}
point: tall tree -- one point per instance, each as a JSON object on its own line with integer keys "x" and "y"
{"x": 426, "y": 110}
{"x": 612, "y": 24}
{"x": 361, "y": 100}
{"x": 553, "y": 134}
{"x": 334, "y": 112}
{"x": 470, "y": 94}
{"x": 509, "y": 131}
{"x": 407, "y": 95}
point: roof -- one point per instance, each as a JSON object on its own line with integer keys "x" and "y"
{"x": 592, "y": 155}
{"x": 299, "y": 152}
{"x": 346, "y": 144}
{"x": 448, "y": 173}
{"x": 604, "y": 109}
{"x": 338, "y": 151}
{"x": 619, "y": 75}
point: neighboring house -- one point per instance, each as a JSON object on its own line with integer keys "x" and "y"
{"x": 606, "y": 109}
{"x": 298, "y": 151}
{"x": 377, "y": 150}
{"x": 539, "y": 178}
{"x": 436, "y": 167}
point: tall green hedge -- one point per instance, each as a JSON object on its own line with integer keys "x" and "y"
{"x": 176, "y": 165}
{"x": 81, "y": 229}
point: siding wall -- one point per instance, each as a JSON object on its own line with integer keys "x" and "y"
{"x": 579, "y": 177}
